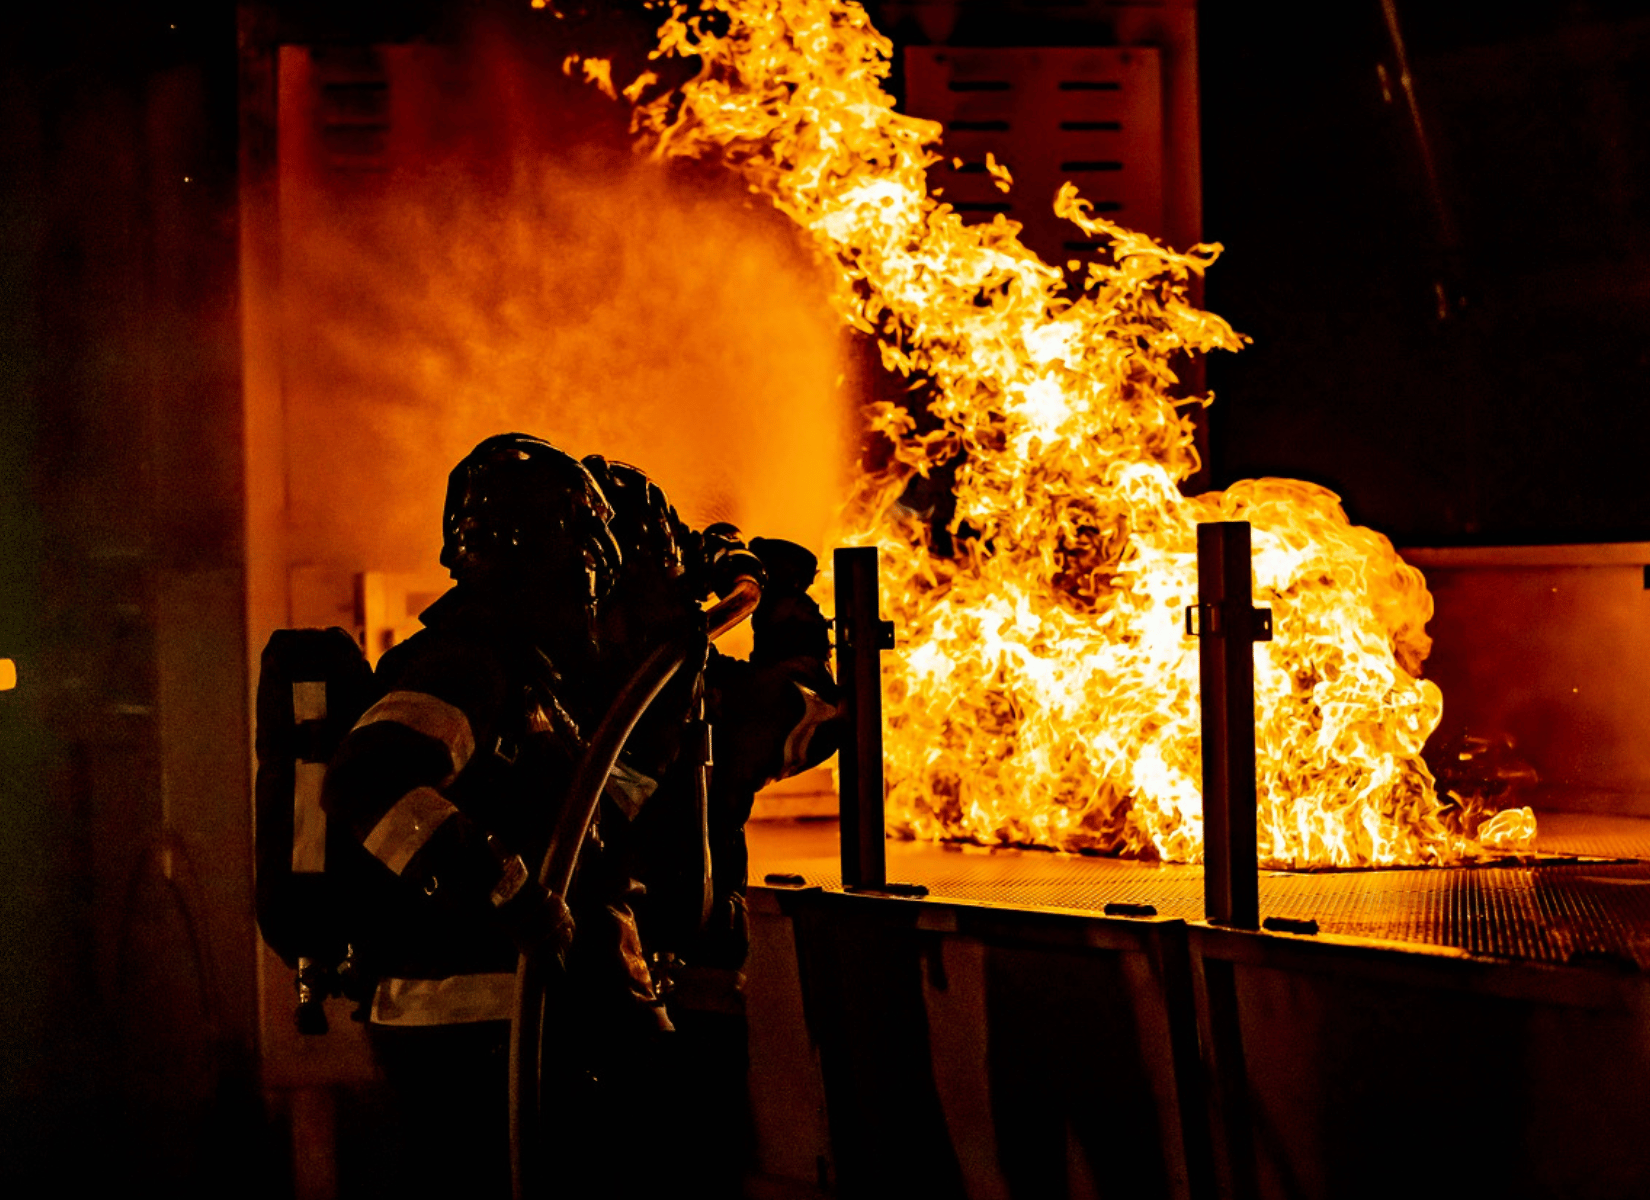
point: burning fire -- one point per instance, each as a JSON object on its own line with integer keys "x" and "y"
{"x": 1047, "y": 692}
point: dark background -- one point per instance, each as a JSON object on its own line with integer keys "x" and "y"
{"x": 1466, "y": 365}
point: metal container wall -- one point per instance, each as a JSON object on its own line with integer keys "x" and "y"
{"x": 1344, "y": 1070}
{"x": 1550, "y": 646}
{"x": 937, "y": 1048}
{"x": 957, "y": 1050}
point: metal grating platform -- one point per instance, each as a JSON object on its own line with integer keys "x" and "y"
{"x": 1585, "y": 899}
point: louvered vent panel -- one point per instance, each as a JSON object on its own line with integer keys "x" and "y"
{"x": 352, "y": 107}
{"x": 1093, "y": 116}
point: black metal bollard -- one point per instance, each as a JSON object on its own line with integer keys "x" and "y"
{"x": 1228, "y": 625}
{"x": 861, "y": 636}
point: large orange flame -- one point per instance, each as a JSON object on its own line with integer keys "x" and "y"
{"x": 1047, "y": 693}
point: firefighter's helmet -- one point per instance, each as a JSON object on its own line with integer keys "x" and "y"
{"x": 519, "y": 509}
{"x": 645, "y": 524}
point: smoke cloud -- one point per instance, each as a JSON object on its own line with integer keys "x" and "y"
{"x": 517, "y": 267}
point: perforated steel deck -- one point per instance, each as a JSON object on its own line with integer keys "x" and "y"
{"x": 1587, "y": 898}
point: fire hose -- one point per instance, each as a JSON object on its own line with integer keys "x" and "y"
{"x": 527, "y": 1027}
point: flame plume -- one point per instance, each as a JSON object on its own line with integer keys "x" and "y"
{"x": 1047, "y": 693}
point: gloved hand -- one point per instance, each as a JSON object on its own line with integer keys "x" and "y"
{"x": 725, "y": 557}
{"x": 538, "y": 923}
{"x": 787, "y": 624}
{"x": 791, "y": 568}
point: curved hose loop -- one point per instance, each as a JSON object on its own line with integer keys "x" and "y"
{"x": 556, "y": 872}
{"x": 739, "y": 603}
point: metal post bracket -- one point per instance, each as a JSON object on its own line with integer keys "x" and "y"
{"x": 845, "y": 633}
{"x": 1205, "y": 620}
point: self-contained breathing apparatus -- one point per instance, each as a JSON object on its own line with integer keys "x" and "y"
{"x": 313, "y": 685}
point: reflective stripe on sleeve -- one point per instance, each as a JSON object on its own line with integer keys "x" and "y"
{"x": 309, "y": 700}
{"x": 815, "y": 712}
{"x": 402, "y": 832}
{"x": 429, "y": 715}
{"x": 452, "y": 1001}
{"x": 309, "y": 819}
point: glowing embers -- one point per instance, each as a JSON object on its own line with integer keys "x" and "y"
{"x": 1047, "y": 693}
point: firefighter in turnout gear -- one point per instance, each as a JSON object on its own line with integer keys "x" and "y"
{"x": 771, "y": 716}
{"x": 566, "y": 575}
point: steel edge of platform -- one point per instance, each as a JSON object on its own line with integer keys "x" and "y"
{"x": 1572, "y": 985}
{"x": 973, "y": 918}
{"x": 1584, "y": 984}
